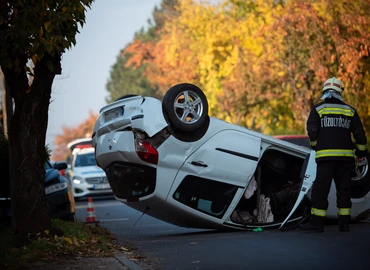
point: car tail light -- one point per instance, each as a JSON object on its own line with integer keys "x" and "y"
{"x": 146, "y": 151}
{"x": 82, "y": 146}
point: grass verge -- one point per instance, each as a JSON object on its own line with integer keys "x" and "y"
{"x": 78, "y": 239}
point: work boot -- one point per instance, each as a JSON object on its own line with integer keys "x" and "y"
{"x": 344, "y": 228}
{"x": 344, "y": 221}
{"x": 311, "y": 228}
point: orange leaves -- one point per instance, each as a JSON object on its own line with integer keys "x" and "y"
{"x": 323, "y": 37}
{"x": 68, "y": 240}
{"x": 77, "y": 238}
{"x": 69, "y": 134}
{"x": 139, "y": 52}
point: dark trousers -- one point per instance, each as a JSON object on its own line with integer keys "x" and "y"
{"x": 341, "y": 172}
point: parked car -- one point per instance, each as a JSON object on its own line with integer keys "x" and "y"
{"x": 58, "y": 194}
{"x": 172, "y": 161}
{"x": 61, "y": 171}
{"x": 83, "y": 173}
{"x": 5, "y": 210}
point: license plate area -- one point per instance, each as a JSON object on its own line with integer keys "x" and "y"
{"x": 114, "y": 114}
{"x": 101, "y": 186}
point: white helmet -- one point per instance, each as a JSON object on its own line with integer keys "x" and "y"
{"x": 333, "y": 84}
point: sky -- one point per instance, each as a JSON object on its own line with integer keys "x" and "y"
{"x": 110, "y": 26}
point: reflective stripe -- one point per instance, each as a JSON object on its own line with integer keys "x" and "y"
{"x": 335, "y": 109}
{"x": 334, "y": 153}
{"x": 313, "y": 143}
{"x": 325, "y": 111}
{"x": 318, "y": 212}
{"x": 330, "y": 105}
{"x": 344, "y": 211}
{"x": 361, "y": 147}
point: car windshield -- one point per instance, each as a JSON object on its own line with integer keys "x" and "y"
{"x": 83, "y": 160}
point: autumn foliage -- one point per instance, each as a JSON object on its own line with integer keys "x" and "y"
{"x": 261, "y": 63}
{"x": 69, "y": 134}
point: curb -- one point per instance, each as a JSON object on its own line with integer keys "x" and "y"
{"x": 128, "y": 263}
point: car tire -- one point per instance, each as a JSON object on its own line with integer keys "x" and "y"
{"x": 185, "y": 108}
{"x": 361, "y": 184}
{"x": 126, "y": 96}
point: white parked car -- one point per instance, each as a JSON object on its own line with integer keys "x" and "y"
{"x": 172, "y": 161}
{"x": 83, "y": 173}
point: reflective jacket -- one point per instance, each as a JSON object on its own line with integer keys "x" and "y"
{"x": 330, "y": 125}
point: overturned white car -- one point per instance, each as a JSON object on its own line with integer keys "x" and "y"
{"x": 172, "y": 161}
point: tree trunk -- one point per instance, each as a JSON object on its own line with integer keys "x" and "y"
{"x": 7, "y": 104}
{"x": 27, "y": 147}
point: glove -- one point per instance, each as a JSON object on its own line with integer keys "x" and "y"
{"x": 361, "y": 161}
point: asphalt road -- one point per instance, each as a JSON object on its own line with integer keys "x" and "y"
{"x": 171, "y": 247}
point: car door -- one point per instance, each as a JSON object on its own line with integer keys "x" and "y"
{"x": 308, "y": 176}
{"x": 230, "y": 156}
{"x": 225, "y": 163}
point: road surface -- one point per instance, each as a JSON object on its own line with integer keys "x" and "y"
{"x": 172, "y": 247}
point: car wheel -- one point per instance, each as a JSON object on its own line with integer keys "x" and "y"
{"x": 361, "y": 180}
{"x": 126, "y": 96}
{"x": 185, "y": 107}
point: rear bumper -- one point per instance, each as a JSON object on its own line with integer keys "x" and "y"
{"x": 116, "y": 146}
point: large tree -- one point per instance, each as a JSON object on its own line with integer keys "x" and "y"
{"x": 34, "y": 35}
{"x": 314, "y": 40}
{"x": 262, "y": 63}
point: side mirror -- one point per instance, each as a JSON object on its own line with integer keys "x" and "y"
{"x": 60, "y": 165}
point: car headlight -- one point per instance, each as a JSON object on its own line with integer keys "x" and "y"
{"x": 55, "y": 187}
{"x": 78, "y": 180}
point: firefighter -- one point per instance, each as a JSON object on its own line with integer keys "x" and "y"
{"x": 330, "y": 127}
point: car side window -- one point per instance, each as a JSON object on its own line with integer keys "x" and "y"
{"x": 208, "y": 196}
